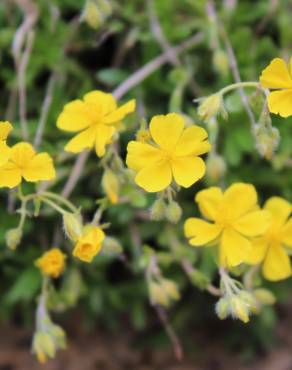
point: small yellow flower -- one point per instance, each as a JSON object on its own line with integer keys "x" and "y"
{"x": 52, "y": 263}
{"x": 5, "y": 151}
{"x": 25, "y": 163}
{"x": 96, "y": 117}
{"x": 236, "y": 219}
{"x": 89, "y": 244}
{"x": 174, "y": 153}
{"x": 278, "y": 75}
{"x": 270, "y": 248}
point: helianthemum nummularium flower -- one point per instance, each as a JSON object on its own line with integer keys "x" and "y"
{"x": 96, "y": 118}
{"x": 278, "y": 75}
{"x": 270, "y": 248}
{"x": 235, "y": 219}
{"x": 52, "y": 263}
{"x": 173, "y": 153}
{"x": 89, "y": 244}
{"x": 5, "y": 151}
{"x": 25, "y": 163}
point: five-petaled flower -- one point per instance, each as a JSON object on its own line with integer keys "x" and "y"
{"x": 97, "y": 117}
{"x": 277, "y": 75}
{"x": 173, "y": 153}
{"x": 5, "y": 151}
{"x": 236, "y": 219}
{"x": 89, "y": 244}
{"x": 270, "y": 248}
{"x": 52, "y": 263}
{"x": 25, "y": 163}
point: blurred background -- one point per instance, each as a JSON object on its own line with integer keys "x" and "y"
{"x": 164, "y": 54}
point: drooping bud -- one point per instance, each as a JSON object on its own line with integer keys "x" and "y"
{"x": 157, "y": 211}
{"x": 173, "y": 212}
{"x": 111, "y": 246}
{"x": 222, "y": 308}
{"x": 43, "y": 346}
{"x": 221, "y": 62}
{"x": 13, "y": 238}
{"x": 211, "y": 106}
{"x": 72, "y": 225}
{"x": 264, "y": 296}
{"x": 111, "y": 186}
{"x": 215, "y": 167}
{"x": 239, "y": 309}
{"x": 170, "y": 288}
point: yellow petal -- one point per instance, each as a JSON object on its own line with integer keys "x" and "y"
{"x": 277, "y": 264}
{"x": 74, "y": 117}
{"x": 286, "y": 234}
{"x": 191, "y": 142}
{"x": 141, "y": 155}
{"x": 83, "y": 140}
{"x": 40, "y": 168}
{"x": 166, "y": 130}
{"x": 234, "y": 248}
{"x": 22, "y": 153}
{"x": 103, "y": 137}
{"x": 5, "y": 153}
{"x": 104, "y": 102}
{"x": 209, "y": 202}
{"x": 258, "y": 251}
{"x": 187, "y": 170}
{"x": 200, "y": 232}
{"x": 155, "y": 177}
{"x": 5, "y": 129}
{"x": 253, "y": 224}
{"x": 10, "y": 176}
{"x": 279, "y": 102}
{"x": 118, "y": 114}
{"x": 240, "y": 198}
{"x": 276, "y": 75}
{"x": 280, "y": 210}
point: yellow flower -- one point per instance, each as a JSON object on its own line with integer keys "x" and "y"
{"x": 52, "y": 263}
{"x": 5, "y": 151}
{"x": 270, "y": 248}
{"x": 89, "y": 244}
{"x": 96, "y": 117}
{"x": 25, "y": 163}
{"x": 173, "y": 154}
{"x": 277, "y": 75}
{"x": 236, "y": 218}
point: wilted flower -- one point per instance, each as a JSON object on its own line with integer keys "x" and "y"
{"x": 52, "y": 263}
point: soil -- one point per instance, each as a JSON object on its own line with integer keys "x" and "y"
{"x": 108, "y": 351}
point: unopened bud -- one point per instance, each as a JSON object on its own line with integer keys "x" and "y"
{"x": 173, "y": 212}
{"x": 157, "y": 294}
{"x": 211, "y": 106}
{"x": 267, "y": 140}
{"x": 250, "y": 300}
{"x": 216, "y": 167}
{"x": 43, "y": 346}
{"x": 170, "y": 288}
{"x": 13, "y": 238}
{"x": 111, "y": 186}
{"x": 95, "y": 12}
{"x": 111, "y": 246}
{"x": 264, "y": 296}
{"x": 222, "y": 308}
{"x": 239, "y": 309}
{"x": 157, "y": 211}
{"x": 72, "y": 225}
{"x": 220, "y": 62}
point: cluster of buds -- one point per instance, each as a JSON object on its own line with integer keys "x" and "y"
{"x": 48, "y": 337}
{"x": 163, "y": 209}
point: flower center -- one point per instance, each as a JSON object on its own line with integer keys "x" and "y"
{"x": 167, "y": 155}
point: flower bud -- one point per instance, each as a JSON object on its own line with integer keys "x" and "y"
{"x": 222, "y": 308}
{"x": 249, "y": 300}
{"x": 43, "y": 346}
{"x": 210, "y": 107}
{"x": 95, "y": 12}
{"x": 72, "y": 225}
{"x": 13, "y": 238}
{"x": 157, "y": 211}
{"x": 170, "y": 288}
{"x": 216, "y": 167}
{"x": 267, "y": 140}
{"x": 111, "y": 246}
{"x": 239, "y": 309}
{"x": 220, "y": 62}
{"x": 173, "y": 212}
{"x": 158, "y": 295}
{"x": 264, "y": 296}
{"x": 111, "y": 186}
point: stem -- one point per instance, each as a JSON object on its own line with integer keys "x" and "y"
{"x": 239, "y": 85}
{"x": 53, "y": 205}
{"x": 61, "y": 199}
